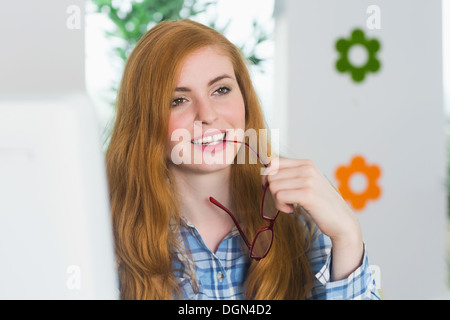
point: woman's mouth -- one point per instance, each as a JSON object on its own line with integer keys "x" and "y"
{"x": 210, "y": 140}
{"x": 213, "y": 142}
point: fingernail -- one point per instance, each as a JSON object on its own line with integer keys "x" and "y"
{"x": 262, "y": 187}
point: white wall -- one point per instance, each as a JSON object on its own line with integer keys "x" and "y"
{"x": 42, "y": 46}
{"x": 394, "y": 119}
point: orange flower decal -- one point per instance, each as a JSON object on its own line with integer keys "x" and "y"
{"x": 358, "y": 166}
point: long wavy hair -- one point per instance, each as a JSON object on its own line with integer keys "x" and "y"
{"x": 141, "y": 186}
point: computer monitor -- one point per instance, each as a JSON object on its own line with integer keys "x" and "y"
{"x": 55, "y": 226}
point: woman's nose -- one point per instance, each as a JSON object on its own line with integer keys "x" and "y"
{"x": 205, "y": 111}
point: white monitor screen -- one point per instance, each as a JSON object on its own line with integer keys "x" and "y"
{"x": 55, "y": 227}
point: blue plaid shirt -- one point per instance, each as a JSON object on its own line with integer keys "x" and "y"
{"x": 221, "y": 275}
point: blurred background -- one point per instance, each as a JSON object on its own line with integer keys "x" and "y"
{"x": 292, "y": 48}
{"x": 360, "y": 87}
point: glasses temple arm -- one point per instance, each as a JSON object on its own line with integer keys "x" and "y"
{"x": 218, "y": 204}
{"x": 248, "y": 146}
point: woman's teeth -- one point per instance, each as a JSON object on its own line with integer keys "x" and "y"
{"x": 210, "y": 140}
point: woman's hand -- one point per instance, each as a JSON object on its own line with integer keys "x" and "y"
{"x": 293, "y": 181}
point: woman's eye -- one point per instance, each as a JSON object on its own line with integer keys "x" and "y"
{"x": 178, "y": 101}
{"x": 222, "y": 90}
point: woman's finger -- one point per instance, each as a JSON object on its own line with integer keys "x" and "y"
{"x": 288, "y": 169}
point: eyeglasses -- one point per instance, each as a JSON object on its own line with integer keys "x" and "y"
{"x": 262, "y": 242}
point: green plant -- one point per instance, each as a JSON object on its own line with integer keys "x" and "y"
{"x": 133, "y": 18}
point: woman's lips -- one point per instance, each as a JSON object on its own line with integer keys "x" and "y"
{"x": 210, "y": 141}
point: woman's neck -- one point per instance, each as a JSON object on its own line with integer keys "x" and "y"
{"x": 194, "y": 190}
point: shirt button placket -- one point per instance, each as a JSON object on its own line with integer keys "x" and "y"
{"x": 219, "y": 276}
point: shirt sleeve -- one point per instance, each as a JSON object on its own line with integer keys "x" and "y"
{"x": 359, "y": 285}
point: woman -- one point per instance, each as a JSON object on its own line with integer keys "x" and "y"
{"x": 175, "y": 232}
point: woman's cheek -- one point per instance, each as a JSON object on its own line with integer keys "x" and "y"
{"x": 177, "y": 132}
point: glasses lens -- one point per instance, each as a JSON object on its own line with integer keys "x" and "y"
{"x": 262, "y": 243}
{"x": 269, "y": 209}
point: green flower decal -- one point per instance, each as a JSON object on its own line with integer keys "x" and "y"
{"x": 344, "y": 46}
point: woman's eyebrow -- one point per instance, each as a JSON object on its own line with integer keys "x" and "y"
{"x": 210, "y": 83}
{"x": 182, "y": 89}
{"x": 224, "y": 76}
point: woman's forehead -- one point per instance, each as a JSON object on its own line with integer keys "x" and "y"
{"x": 205, "y": 62}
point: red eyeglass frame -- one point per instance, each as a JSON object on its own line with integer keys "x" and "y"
{"x": 271, "y": 221}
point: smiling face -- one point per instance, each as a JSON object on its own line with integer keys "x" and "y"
{"x": 207, "y": 108}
